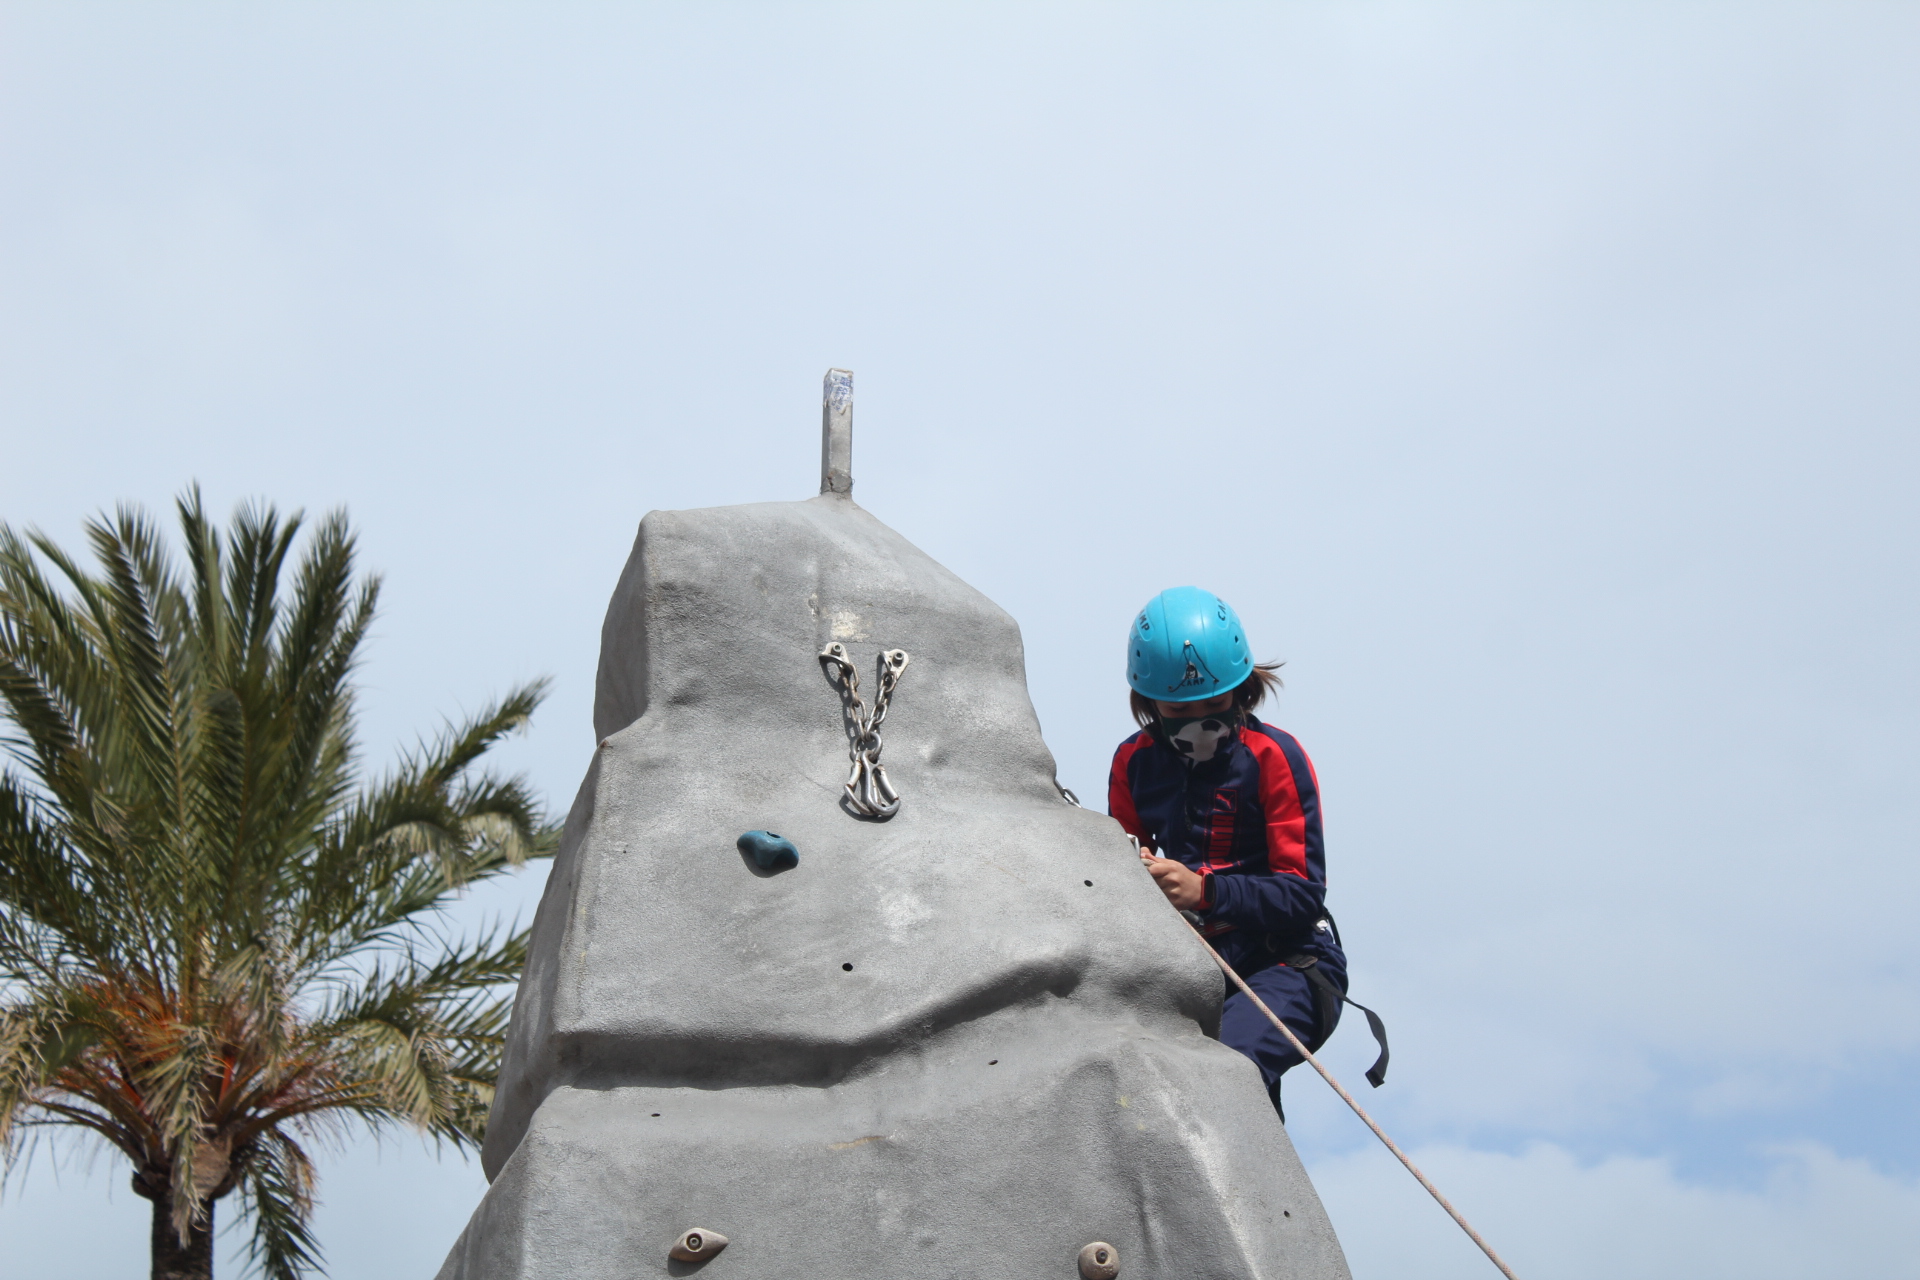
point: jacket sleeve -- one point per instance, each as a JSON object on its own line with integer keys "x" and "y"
{"x": 1288, "y": 897}
{"x": 1120, "y": 792}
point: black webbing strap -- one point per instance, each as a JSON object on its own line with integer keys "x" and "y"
{"x": 1310, "y": 966}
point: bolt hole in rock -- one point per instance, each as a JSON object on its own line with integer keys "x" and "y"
{"x": 847, "y": 967}
{"x": 1087, "y": 883}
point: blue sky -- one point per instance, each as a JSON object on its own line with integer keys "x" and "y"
{"x": 1536, "y": 379}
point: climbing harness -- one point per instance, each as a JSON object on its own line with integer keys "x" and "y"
{"x": 1327, "y": 995}
{"x": 1307, "y": 1055}
{"x": 1327, "y": 999}
{"x": 869, "y": 794}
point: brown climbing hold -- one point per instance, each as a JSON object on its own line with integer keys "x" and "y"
{"x": 1099, "y": 1261}
{"x": 697, "y": 1245}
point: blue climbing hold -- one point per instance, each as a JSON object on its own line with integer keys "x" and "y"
{"x": 769, "y": 851}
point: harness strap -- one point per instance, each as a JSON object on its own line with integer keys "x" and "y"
{"x": 1309, "y": 965}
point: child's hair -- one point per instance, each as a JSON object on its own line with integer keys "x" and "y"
{"x": 1251, "y": 692}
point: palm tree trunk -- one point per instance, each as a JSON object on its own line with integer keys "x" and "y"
{"x": 173, "y": 1260}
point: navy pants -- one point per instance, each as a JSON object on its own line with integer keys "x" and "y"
{"x": 1245, "y": 1028}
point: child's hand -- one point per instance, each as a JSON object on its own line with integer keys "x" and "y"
{"x": 1185, "y": 889}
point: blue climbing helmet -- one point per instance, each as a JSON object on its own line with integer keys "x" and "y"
{"x": 1187, "y": 645}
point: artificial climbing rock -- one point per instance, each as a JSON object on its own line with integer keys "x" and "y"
{"x": 962, "y": 1041}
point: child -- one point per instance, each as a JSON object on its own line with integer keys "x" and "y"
{"x": 1227, "y": 812}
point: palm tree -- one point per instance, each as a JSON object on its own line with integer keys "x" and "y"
{"x": 217, "y": 944}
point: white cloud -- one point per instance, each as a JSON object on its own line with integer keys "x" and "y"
{"x": 1551, "y": 1217}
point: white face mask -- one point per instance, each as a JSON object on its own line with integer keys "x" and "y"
{"x": 1197, "y": 740}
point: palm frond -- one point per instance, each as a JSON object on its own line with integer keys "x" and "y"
{"x": 278, "y": 1186}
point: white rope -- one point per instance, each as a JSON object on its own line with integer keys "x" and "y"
{"x": 1346, "y": 1097}
{"x": 868, "y": 792}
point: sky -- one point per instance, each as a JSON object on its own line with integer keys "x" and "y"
{"x": 1537, "y": 380}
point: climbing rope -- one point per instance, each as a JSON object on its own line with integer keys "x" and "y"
{"x": 1346, "y": 1097}
{"x": 869, "y": 794}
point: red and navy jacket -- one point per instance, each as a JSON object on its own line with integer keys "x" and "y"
{"x": 1248, "y": 820}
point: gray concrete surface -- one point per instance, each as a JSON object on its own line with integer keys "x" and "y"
{"x": 962, "y": 1042}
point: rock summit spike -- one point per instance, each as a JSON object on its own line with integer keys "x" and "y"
{"x": 836, "y": 432}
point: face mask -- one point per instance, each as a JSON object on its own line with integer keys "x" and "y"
{"x": 1198, "y": 738}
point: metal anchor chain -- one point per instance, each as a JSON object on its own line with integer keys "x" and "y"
{"x": 869, "y": 794}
